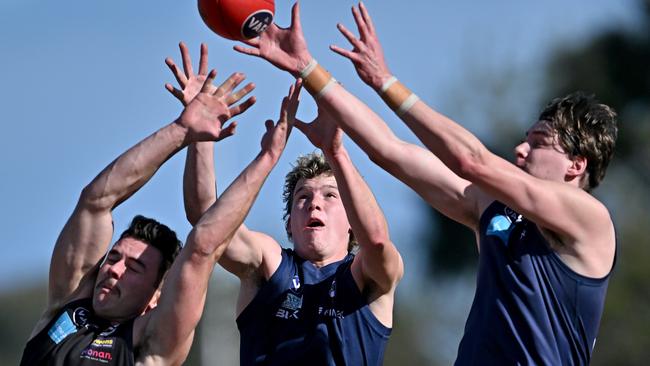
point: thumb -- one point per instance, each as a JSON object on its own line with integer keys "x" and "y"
{"x": 228, "y": 131}
{"x": 269, "y": 125}
{"x": 300, "y": 125}
{"x": 175, "y": 92}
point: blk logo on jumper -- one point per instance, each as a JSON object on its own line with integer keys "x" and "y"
{"x": 290, "y": 308}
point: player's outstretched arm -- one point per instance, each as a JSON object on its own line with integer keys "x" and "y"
{"x": 368, "y": 59}
{"x": 419, "y": 169}
{"x": 199, "y": 184}
{"x": 378, "y": 266}
{"x": 283, "y": 47}
{"x": 242, "y": 257}
{"x": 572, "y": 214}
{"x": 165, "y": 332}
{"x": 87, "y": 234}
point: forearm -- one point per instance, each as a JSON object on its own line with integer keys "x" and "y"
{"x": 364, "y": 214}
{"x": 199, "y": 182}
{"x": 220, "y": 222}
{"x": 458, "y": 148}
{"x": 449, "y": 141}
{"x": 417, "y": 167}
{"x": 126, "y": 174}
{"x": 359, "y": 122}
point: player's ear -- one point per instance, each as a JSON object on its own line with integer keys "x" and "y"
{"x": 577, "y": 168}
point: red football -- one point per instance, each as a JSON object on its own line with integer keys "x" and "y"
{"x": 237, "y": 19}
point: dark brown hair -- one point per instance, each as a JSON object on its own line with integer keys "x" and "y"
{"x": 157, "y": 235}
{"x": 586, "y": 128}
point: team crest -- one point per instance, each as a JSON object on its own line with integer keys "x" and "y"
{"x": 80, "y": 317}
{"x": 292, "y": 302}
{"x": 290, "y": 308}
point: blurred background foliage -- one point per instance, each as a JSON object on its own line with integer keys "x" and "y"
{"x": 615, "y": 66}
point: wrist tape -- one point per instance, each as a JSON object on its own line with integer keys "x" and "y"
{"x": 316, "y": 79}
{"x": 398, "y": 97}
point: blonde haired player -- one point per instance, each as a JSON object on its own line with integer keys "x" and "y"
{"x": 319, "y": 303}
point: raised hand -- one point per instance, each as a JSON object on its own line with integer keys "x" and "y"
{"x": 191, "y": 83}
{"x": 285, "y": 48}
{"x": 322, "y": 132}
{"x": 205, "y": 115}
{"x": 276, "y": 136}
{"x": 367, "y": 54}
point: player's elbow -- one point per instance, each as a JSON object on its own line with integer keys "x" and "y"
{"x": 389, "y": 155}
{"x": 204, "y": 244}
{"x": 392, "y": 270}
{"x": 192, "y": 217}
{"x": 379, "y": 240}
{"x": 95, "y": 200}
{"x": 471, "y": 165}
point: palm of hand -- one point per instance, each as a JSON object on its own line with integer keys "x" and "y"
{"x": 193, "y": 87}
{"x": 324, "y": 133}
{"x": 204, "y": 117}
{"x": 282, "y": 47}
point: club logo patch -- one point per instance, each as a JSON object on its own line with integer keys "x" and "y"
{"x": 292, "y": 302}
{"x": 80, "y": 316}
{"x": 62, "y": 328}
{"x": 502, "y": 225}
{"x": 290, "y": 308}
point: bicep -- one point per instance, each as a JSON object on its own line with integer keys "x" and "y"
{"x": 166, "y": 330}
{"x": 251, "y": 253}
{"x": 80, "y": 245}
{"x": 184, "y": 292}
{"x": 566, "y": 210}
{"x": 379, "y": 266}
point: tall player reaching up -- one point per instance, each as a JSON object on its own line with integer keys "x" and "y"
{"x": 546, "y": 245}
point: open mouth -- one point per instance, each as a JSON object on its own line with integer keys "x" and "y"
{"x": 315, "y": 223}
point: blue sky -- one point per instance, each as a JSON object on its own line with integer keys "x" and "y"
{"x": 83, "y": 81}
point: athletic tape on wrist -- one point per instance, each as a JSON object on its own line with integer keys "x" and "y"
{"x": 309, "y": 68}
{"x": 407, "y": 104}
{"x": 395, "y": 95}
{"x": 318, "y": 82}
{"x": 388, "y": 84}
{"x": 326, "y": 88}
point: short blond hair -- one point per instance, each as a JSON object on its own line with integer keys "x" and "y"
{"x": 306, "y": 167}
